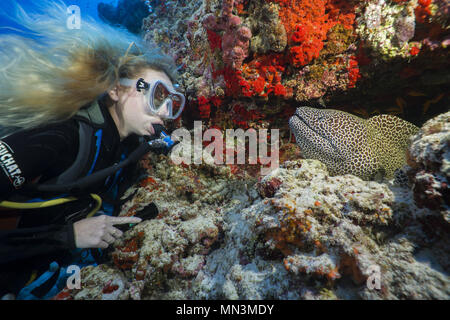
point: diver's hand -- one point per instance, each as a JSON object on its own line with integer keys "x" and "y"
{"x": 98, "y": 232}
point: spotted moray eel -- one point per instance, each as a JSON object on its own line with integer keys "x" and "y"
{"x": 371, "y": 149}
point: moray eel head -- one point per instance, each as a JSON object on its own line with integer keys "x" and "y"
{"x": 323, "y": 133}
{"x": 345, "y": 143}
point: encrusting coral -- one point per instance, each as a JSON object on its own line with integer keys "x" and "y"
{"x": 429, "y": 161}
{"x": 269, "y": 34}
{"x": 387, "y": 28}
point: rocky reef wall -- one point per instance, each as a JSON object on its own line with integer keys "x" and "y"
{"x": 250, "y": 63}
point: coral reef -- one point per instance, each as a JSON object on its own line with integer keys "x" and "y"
{"x": 315, "y": 234}
{"x": 363, "y": 57}
{"x": 387, "y": 28}
{"x": 429, "y": 161}
{"x": 269, "y": 34}
{"x": 170, "y": 250}
{"x": 235, "y": 38}
{"x": 298, "y": 233}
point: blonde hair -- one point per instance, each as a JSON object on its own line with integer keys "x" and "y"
{"x": 50, "y": 77}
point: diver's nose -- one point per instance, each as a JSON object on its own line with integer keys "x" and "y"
{"x": 163, "y": 111}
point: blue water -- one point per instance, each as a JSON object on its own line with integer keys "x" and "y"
{"x": 87, "y": 8}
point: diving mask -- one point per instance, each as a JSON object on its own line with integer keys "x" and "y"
{"x": 161, "y": 99}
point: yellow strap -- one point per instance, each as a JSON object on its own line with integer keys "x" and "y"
{"x": 50, "y": 203}
{"x": 35, "y": 205}
{"x": 97, "y": 207}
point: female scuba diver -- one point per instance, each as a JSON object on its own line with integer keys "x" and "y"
{"x": 85, "y": 104}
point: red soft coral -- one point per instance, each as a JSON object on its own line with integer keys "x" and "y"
{"x": 353, "y": 72}
{"x": 423, "y": 10}
{"x": 259, "y": 84}
{"x": 342, "y": 12}
{"x": 306, "y": 24}
{"x": 414, "y": 51}
{"x": 215, "y": 41}
{"x": 305, "y": 53}
{"x": 204, "y": 107}
{"x": 280, "y": 90}
{"x": 235, "y": 38}
{"x": 268, "y": 80}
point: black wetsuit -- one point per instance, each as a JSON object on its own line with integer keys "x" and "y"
{"x": 43, "y": 235}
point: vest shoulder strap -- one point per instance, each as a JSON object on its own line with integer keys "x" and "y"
{"x": 88, "y": 118}
{"x": 91, "y": 114}
{"x": 85, "y": 133}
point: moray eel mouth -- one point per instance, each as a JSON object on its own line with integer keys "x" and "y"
{"x": 313, "y": 130}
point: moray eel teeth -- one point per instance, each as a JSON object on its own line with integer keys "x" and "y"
{"x": 347, "y": 144}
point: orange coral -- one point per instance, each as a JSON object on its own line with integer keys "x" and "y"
{"x": 342, "y": 12}
{"x": 353, "y": 74}
{"x": 267, "y": 70}
{"x": 423, "y": 10}
{"x": 259, "y": 84}
{"x": 307, "y": 24}
{"x": 414, "y": 51}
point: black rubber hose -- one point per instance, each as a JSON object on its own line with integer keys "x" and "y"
{"x": 96, "y": 177}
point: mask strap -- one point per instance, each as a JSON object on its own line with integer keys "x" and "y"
{"x": 127, "y": 82}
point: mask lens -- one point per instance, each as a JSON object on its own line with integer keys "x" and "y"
{"x": 176, "y": 104}
{"x": 160, "y": 95}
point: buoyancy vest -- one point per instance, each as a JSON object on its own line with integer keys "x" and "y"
{"x": 71, "y": 184}
{"x": 76, "y": 179}
{"x": 81, "y": 175}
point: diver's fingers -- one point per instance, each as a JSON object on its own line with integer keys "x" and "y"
{"x": 122, "y": 220}
{"x": 108, "y": 238}
{"x": 116, "y": 233}
{"x": 103, "y": 245}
